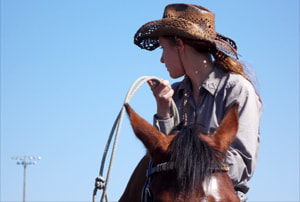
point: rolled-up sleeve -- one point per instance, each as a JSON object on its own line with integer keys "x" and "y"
{"x": 163, "y": 125}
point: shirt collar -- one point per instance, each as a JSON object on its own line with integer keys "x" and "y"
{"x": 210, "y": 84}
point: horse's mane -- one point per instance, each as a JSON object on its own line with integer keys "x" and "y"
{"x": 194, "y": 160}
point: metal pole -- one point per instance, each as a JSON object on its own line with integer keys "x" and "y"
{"x": 23, "y": 161}
{"x": 24, "y": 186}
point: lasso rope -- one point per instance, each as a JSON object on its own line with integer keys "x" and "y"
{"x": 100, "y": 182}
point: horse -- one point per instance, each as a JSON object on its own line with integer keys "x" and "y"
{"x": 185, "y": 165}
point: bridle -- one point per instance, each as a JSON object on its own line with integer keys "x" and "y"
{"x": 147, "y": 195}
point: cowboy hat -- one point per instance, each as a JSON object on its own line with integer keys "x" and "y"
{"x": 186, "y": 21}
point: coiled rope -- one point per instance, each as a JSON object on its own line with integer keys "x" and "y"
{"x": 100, "y": 182}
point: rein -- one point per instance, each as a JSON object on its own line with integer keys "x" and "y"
{"x": 101, "y": 183}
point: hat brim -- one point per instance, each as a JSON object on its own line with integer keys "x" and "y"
{"x": 147, "y": 36}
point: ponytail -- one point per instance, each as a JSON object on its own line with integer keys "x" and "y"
{"x": 229, "y": 64}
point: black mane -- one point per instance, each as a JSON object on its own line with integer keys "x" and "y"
{"x": 194, "y": 160}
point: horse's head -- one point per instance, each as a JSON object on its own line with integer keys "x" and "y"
{"x": 195, "y": 157}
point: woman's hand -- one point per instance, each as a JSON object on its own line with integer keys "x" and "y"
{"x": 163, "y": 93}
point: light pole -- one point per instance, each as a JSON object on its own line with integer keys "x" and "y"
{"x": 24, "y": 161}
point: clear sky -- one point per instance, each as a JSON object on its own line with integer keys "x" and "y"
{"x": 66, "y": 66}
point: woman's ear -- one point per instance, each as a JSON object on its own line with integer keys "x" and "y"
{"x": 179, "y": 44}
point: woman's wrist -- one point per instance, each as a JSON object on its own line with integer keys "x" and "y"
{"x": 163, "y": 110}
{"x": 163, "y": 113}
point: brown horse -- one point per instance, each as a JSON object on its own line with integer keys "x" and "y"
{"x": 185, "y": 165}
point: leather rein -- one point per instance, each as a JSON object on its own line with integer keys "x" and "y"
{"x": 147, "y": 195}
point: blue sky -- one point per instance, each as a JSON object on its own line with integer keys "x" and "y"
{"x": 66, "y": 66}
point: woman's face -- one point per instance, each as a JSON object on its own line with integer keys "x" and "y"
{"x": 170, "y": 57}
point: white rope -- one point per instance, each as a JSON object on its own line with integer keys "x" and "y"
{"x": 100, "y": 181}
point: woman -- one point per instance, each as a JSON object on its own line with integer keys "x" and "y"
{"x": 213, "y": 82}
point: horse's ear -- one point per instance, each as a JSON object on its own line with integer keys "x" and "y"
{"x": 148, "y": 134}
{"x": 225, "y": 134}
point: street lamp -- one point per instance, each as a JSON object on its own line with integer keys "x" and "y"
{"x": 32, "y": 160}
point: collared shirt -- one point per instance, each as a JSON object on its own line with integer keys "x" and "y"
{"x": 217, "y": 95}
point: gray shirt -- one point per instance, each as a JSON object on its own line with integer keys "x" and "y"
{"x": 217, "y": 94}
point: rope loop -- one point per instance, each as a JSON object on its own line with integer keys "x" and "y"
{"x": 100, "y": 182}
